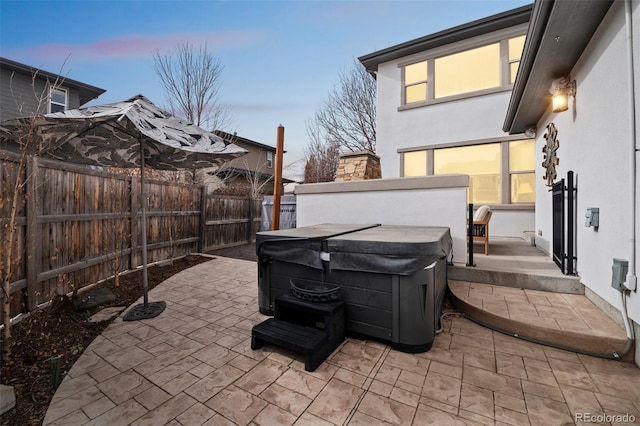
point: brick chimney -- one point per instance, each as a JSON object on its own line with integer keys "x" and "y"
{"x": 360, "y": 165}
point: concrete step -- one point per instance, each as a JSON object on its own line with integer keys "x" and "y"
{"x": 546, "y": 282}
{"x": 563, "y": 320}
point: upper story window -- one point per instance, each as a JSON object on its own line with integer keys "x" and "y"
{"x": 489, "y": 67}
{"x": 415, "y": 78}
{"x": 467, "y": 71}
{"x": 58, "y": 100}
{"x": 516, "y": 45}
{"x": 269, "y": 159}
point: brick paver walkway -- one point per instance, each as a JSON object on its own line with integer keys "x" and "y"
{"x": 193, "y": 365}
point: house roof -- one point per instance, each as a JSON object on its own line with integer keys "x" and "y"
{"x": 234, "y": 138}
{"x": 87, "y": 92}
{"x": 482, "y": 26}
{"x": 558, "y": 33}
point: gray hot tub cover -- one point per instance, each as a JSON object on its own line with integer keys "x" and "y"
{"x": 390, "y": 249}
{"x": 387, "y": 249}
{"x": 301, "y": 245}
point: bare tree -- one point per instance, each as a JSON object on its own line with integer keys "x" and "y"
{"x": 192, "y": 78}
{"x": 26, "y": 143}
{"x": 321, "y": 156}
{"x": 256, "y": 181}
{"x": 348, "y": 117}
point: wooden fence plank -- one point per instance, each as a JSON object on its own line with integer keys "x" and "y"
{"x": 68, "y": 215}
{"x": 33, "y": 245}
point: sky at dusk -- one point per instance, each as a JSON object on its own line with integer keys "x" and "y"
{"x": 281, "y": 58}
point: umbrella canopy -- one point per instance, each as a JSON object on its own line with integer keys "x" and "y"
{"x": 110, "y": 135}
{"x": 132, "y": 133}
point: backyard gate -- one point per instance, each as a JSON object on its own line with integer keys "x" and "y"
{"x": 564, "y": 224}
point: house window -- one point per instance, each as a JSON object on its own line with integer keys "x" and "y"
{"x": 521, "y": 171}
{"x": 58, "y": 100}
{"x": 480, "y": 162}
{"x": 499, "y": 172}
{"x": 468, "y": 71}
{"x": 515, "y": 52}
{"x": 415, "y": 163}
{"x": 269, "y": 159}
{"x": 491, "y": 67}
{"x": 415, "y": 81}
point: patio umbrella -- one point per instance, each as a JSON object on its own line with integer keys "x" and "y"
{"x": 129, "y": 134}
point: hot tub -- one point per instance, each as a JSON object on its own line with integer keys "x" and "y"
{"x": 391, "y": 278}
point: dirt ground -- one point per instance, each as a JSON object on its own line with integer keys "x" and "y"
{"x": 59, "y": 333}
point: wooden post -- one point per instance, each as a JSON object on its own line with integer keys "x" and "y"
{"x": 203, "y": 217}
{"x": 277, "y": 183}
{"x": 250, "y": 227}
{"x": 33, "y": 234}
{"x": 135, "y": 205}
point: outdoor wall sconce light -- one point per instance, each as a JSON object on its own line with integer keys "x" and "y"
{"x": 561, "y": 89}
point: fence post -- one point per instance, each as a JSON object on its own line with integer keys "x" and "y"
{"x": 203, "y": 218}
{"x": 34, "y": 238}
{"x": 250, "y": 227}
{"x": 134, "y": 186}
{"x": 571, "y": 222}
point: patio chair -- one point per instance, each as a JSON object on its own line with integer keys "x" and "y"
{"x": 481, "y": 220}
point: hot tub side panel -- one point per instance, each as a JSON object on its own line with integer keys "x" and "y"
{"x": 402, "y": 310}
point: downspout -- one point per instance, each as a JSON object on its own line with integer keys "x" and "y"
{"x": 631, "y": 274}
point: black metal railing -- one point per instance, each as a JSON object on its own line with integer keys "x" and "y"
{"x": 564, "y": 224}
{"x": 470, "y": 236}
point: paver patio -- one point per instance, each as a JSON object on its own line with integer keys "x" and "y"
{"x": 193, "y": 365}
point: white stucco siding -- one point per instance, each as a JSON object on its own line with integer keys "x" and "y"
{"x": 421, "y": 201}
{"x": 466, "y": 119}
{"x": 511, "y": 223}
{"x": 462, "y": 120}
{"x": 595, "y": 143}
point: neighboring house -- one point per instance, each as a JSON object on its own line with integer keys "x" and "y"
{"x": 597, "y": 45}
{"x": 441, "y": 102}
{"x": 252, "y": 173}
{"x": 26, "y": 91}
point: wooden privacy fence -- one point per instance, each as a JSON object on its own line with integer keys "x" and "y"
{"x": 77, "y": 226}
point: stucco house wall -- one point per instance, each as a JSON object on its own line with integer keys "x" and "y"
{"x": 594, "y": 137}
{"x": 442, "y": 123}
{"x": 425, "y": 201}
{"x": 468, "y": 119}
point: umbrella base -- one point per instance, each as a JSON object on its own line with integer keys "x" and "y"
{"x": 140, "y": 312}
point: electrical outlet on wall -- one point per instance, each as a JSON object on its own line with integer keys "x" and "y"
{"x": 540, "y": 232}
{"x": 619, "y": 274}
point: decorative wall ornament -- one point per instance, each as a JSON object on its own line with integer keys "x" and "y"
{"x": 551, "y": 159}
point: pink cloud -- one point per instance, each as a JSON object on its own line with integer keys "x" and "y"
{"x": 263, "y": 107}
{"x": 144, "y": 45}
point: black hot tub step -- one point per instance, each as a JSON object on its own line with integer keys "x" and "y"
{"x": 313, "y": 343}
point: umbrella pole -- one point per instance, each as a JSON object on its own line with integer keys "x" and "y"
{"x": 143, "y": 196}
{"x": 145, "y": 310}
